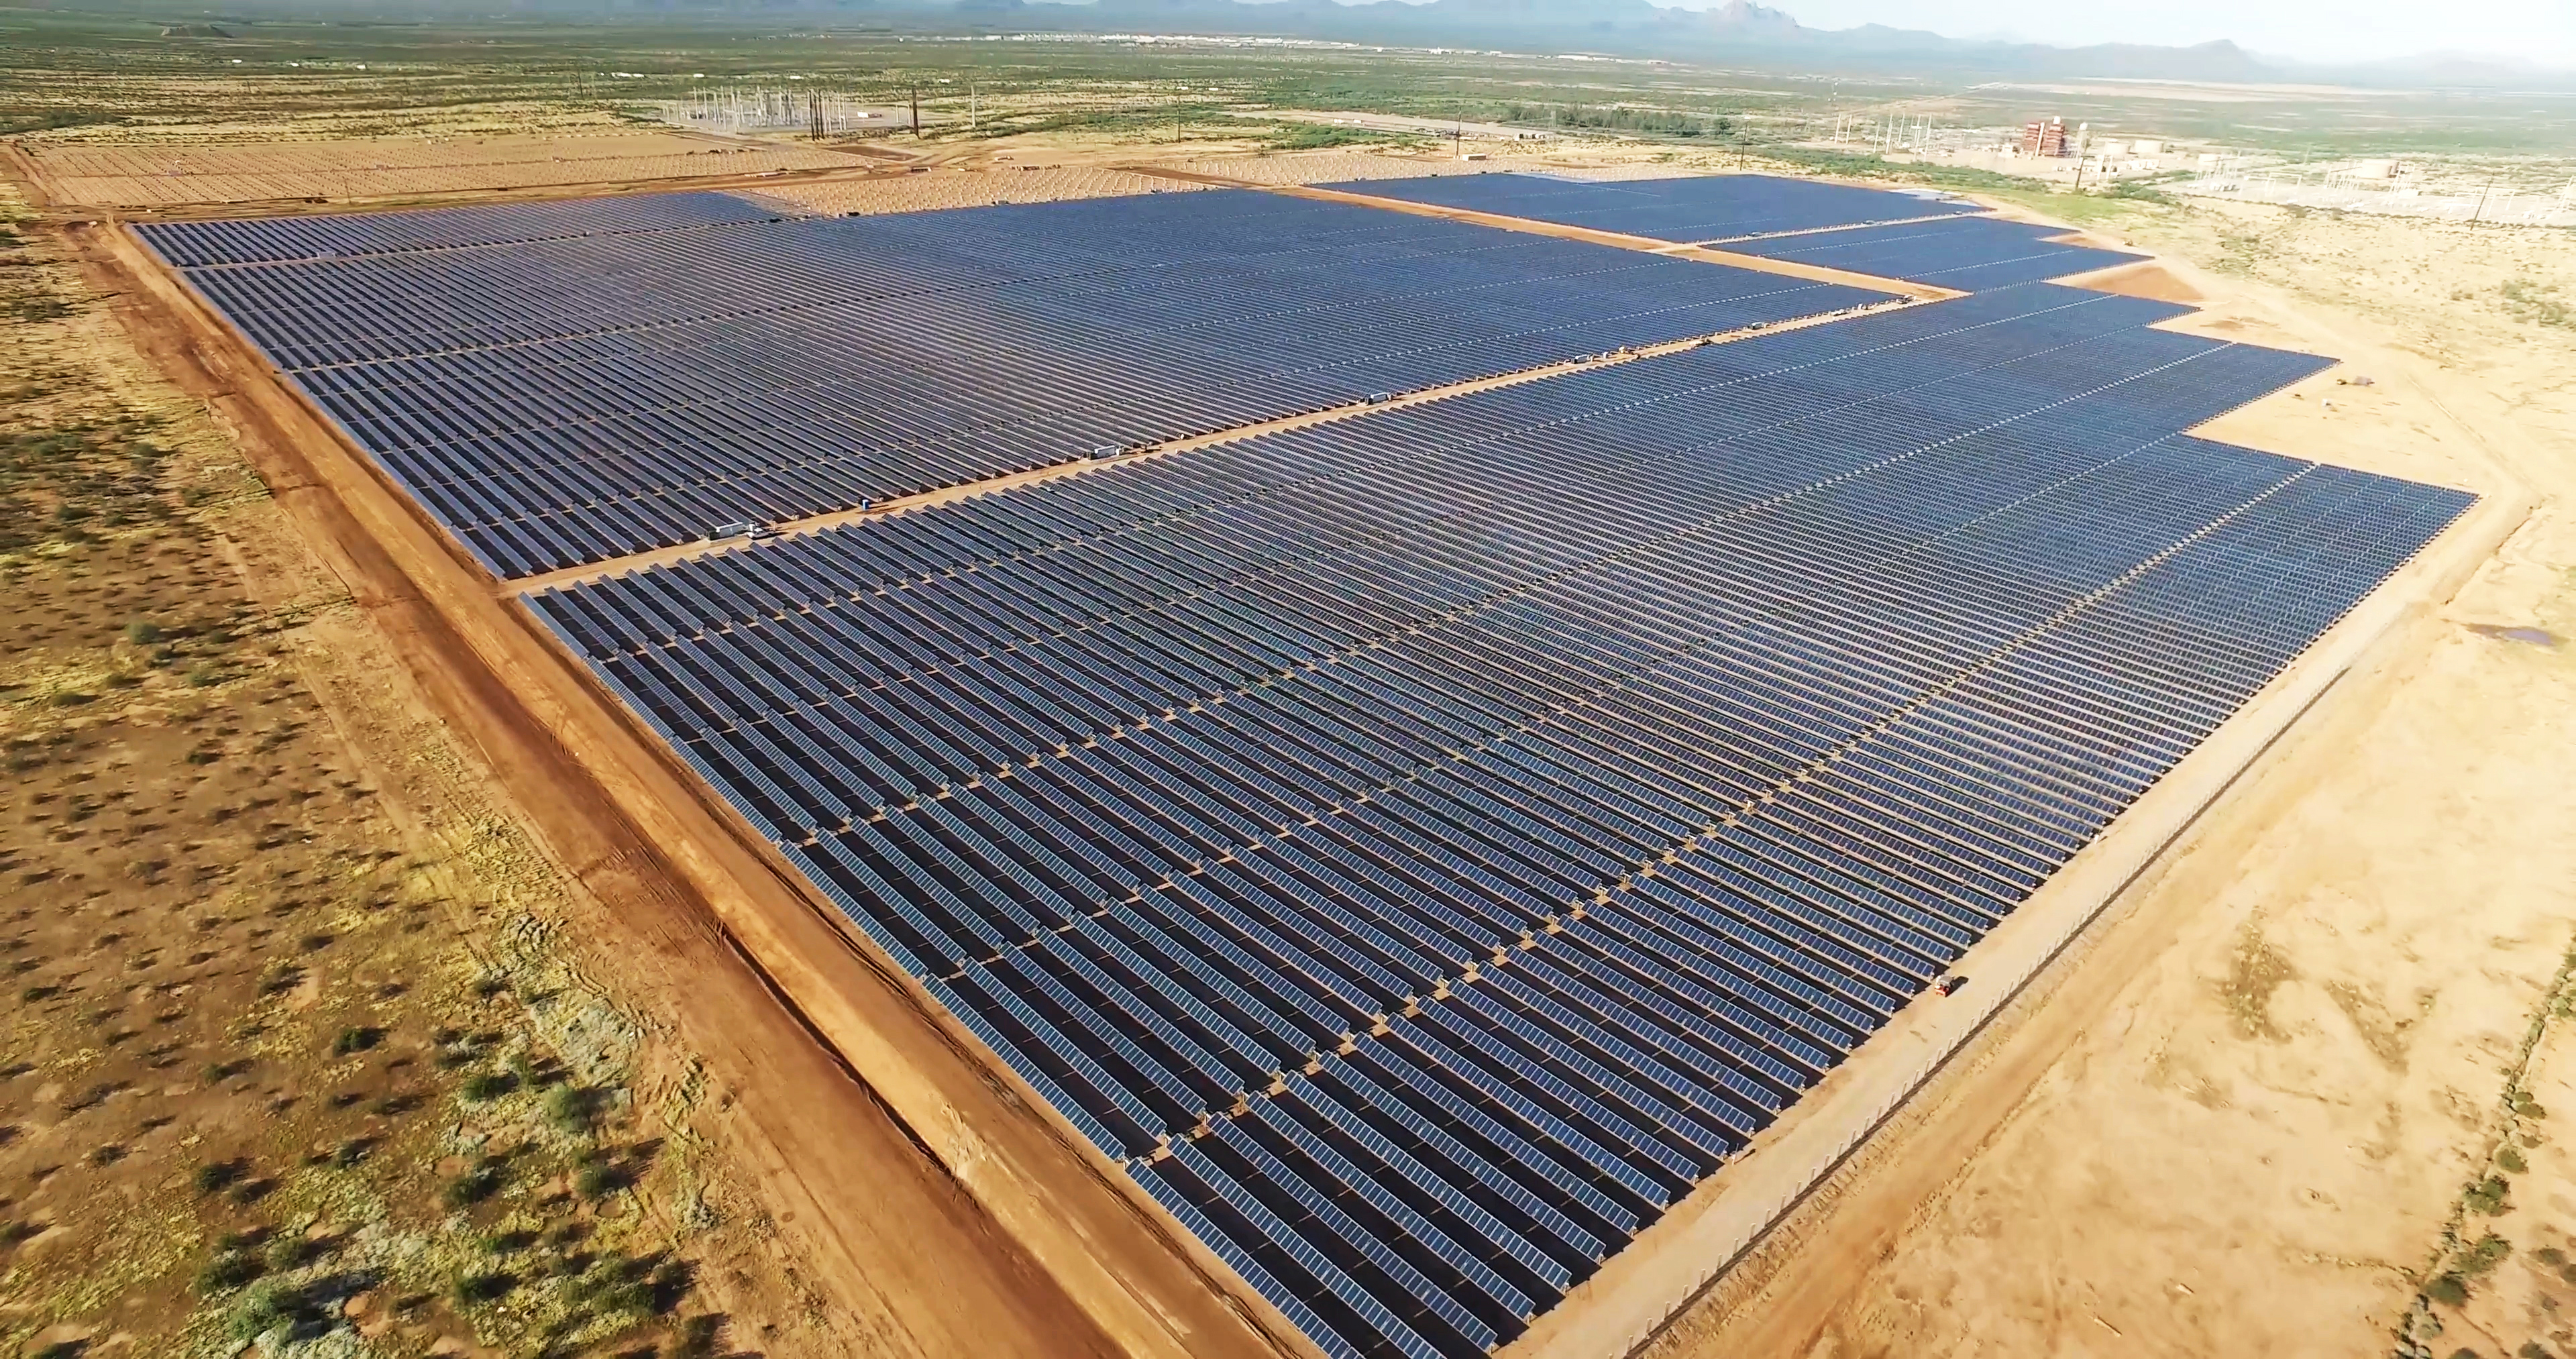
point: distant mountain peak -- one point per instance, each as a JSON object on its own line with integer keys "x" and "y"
{"x": 1746, "y": 16}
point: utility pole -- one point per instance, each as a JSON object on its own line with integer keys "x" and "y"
{"x": 916, "y": 113}
{"x": 2482, "y": 201}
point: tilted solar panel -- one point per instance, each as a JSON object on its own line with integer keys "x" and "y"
{"x": 558, "y": 398}
{"x": 276, "y": 239}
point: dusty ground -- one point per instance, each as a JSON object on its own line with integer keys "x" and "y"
{"x": 386, "y": 167}
{"x": 982, "y": 186}
{"x": 2284, "y": 1107}
{"x": 290, "y": 1047}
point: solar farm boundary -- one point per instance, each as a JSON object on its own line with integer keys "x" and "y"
{"x": 1640, "y": 1291}
{"x": 1812, "y": 273}
{"x": 949, "y": 1143}
{"x": 575, "y": 575}
{"x": 877, "y": 1060}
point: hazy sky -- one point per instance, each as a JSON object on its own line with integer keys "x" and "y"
{"x": 2541, "y": 31}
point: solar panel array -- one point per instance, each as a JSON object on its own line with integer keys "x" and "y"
{"x": 264, "y": 240}
{"x": 1422, "y": 847}
{"x": 1971, "y": 254}
{"x": 563, "y": 384}
{"x": 1688, "y": 208}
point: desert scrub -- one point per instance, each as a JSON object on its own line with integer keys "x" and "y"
{"x": 2536, "y": 303}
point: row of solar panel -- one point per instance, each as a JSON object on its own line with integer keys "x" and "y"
{"x": 1879, "y": 360}
{"x": 1971, "y": 254}
{"x": 1095, "y": 1032}
{"x": 729, "y": 684}
{"x": 193, "y": 244}
{"x": 1058, "y": 579}
{"x": 1923, "y": 241}
{"x": 395, "y": 305}
{"x": 1221, "y": 764}
{"x": 568, "y": 401}
{"x": 1698, "y": 208}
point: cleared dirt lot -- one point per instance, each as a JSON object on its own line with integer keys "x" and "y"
{"x": 983, "y": 186}
{"x": 2261, "y": 1115}
{"x": 253, "y": 172}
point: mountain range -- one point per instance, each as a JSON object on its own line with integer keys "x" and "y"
{"x": 1740, "y": 31}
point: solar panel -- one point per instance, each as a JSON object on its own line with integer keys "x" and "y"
{"x": 1684, "y": 208}
{"x": 564, "y": 384}
{"x": 272, "y": 239}
{"x": 1423, "y": 846}
{"x": 1971, "y": 254}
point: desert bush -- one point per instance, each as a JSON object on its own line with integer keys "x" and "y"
{"x": 291, "y": 1251}
{"x": 569, "y": 1107}
{"x": 474, "y": 1186}
{"x": 2483, "y": 1257}
{"x": 480, "y": 1286}
{"x": 230, "y": 1269}
{"x": 597, "y": 1179}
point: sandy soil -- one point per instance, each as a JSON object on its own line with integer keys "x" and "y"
{"x": 290, "y": 1046}
{"x": 1330, "y": 167}
{"x": 965, "y": 188}
{"x": 2249, "y": 1119}
{"x": 254, "y": 172}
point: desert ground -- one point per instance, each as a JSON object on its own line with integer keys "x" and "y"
{"x": 294, "y": 1041}
{"x": 2293, "y": 1096}
{"x": 155, "y": 176}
